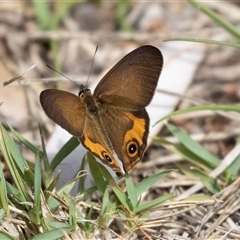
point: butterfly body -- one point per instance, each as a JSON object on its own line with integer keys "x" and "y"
{"x": 113, "y": 120}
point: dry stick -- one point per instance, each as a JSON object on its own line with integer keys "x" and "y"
{"x": 16, "y": 78}
{"x": 222, "y": 205}
{"x": 227, "y": 161}
{"x": 83, "y": 35}
{"x": 137, "y": 225}
{"x": 119, "y": 237}
{"x": 49, "y": 79}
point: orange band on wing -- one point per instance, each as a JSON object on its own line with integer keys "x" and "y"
{"x": 105, "y": 155}
{"x": 95, "y": 148}
{"x": 137, "y": 131}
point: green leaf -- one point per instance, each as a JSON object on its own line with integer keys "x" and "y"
{"x": 5, "y": 236}
{"x": 106, "y": 209}
{"x": 131, "y": 191}
{"x": 66, "y": 189}
{"x": 121, "y": 15}
{"x": 147, "y": 183}
{"x": 184, "y": 152}
{"x": 43, "y": 14}
{"x": 15, "y": 161}
{"x": 230, "y": 28}
{"x": 209, "y": 182}
{"x": 234, "y": 168}
{"x": 198, "y": 40}
{"x": 13, "y": 149}
{"x": 101, "y": 170}
{"x": 3, "y": 194}
{"x": 46, "y": 166}
{"x": 96, "y": 174}
{"x": 68, "y": 147}
{"x": 13, "y": 191}
{"x": 193, "y": 146}
{"x": 59, "y": 225}
{"x": 52, "y": 234}
{"x": 52, "y": 185}
{"x": 37, "y": 190}
{"x": 81, "y": 182}
{"x": 144, "y": 206}
{"x": 29, "y": 146}
{"x": 29, "y": 177}
{"x": 233, "y": 108}
{"x": 72, "y": 213}
{"x": 62, "y": 9}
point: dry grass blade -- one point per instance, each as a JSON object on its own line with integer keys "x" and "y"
{"x": 18, "y": 77}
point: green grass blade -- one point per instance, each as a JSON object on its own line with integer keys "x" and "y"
{"x": 14, "y": 160}
{"x": 61, "y": 11}
{"x": 193, "y": 146}
{"x": 3, "y": 194}
{"x": 106, "y": 209}
{"x": 66, "y": 189}
{"x": 59, "y": 225}
{"x": 81, "y": 182}
{"x": 145, "y": 206}
{"x": 198, "y": 40}
{"x": 234, "y": 168}
{"x": 47, "y": 169}
{"x": 121, "y": 13}
{"x": 14, "y": 191}
{"x": 147, "y": 183}
{"x": 52, "y": 185}
{"x": 43, "y": 14}
{"x": 29, "y": 146}
{"x": 96, "y": 174}
{"x": 53, "y": 234}
{"x": 5, "y": 236}
{"x": 37, "y": 190}
{"x": 102, "y": 171}
{"x": 209, "y": 182}
{"x": 29, "y": 177}
{"x": 233, "y": 108}
{"x": 230, "y": 28}
{"x": 13, "y": 149}
{"x": 72, "y": 213}
{"x": 131, "y": 191}
{"x": 68, "y": 147}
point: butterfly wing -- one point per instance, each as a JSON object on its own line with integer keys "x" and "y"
{"x": 121, "y": 97}
{"x": 65, "y": 109}
{"x": 128, "y": 132}
{"x": 132, "y": 81}
{"x": 123, "y": 93}
{"x": 97, "y": 141}
{"x": 69, "y": 111}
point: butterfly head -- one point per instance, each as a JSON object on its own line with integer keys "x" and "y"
{"x": 83, "y": 90}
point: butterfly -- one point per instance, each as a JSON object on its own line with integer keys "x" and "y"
{"x": 112, "y": 123}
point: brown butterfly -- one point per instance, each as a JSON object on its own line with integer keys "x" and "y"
{"x": 113, "y": 120}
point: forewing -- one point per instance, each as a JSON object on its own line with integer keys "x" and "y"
{"x": 132, "y": 81}
{"x": 65, "y": 109}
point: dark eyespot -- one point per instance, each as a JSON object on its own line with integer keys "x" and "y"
{"x": 132, "y": 148}
{"x": 107, "y": 158}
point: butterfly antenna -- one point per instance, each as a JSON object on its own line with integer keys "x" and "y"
{"x": 92, "y": 64}
{"x": 61, "y": 74}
